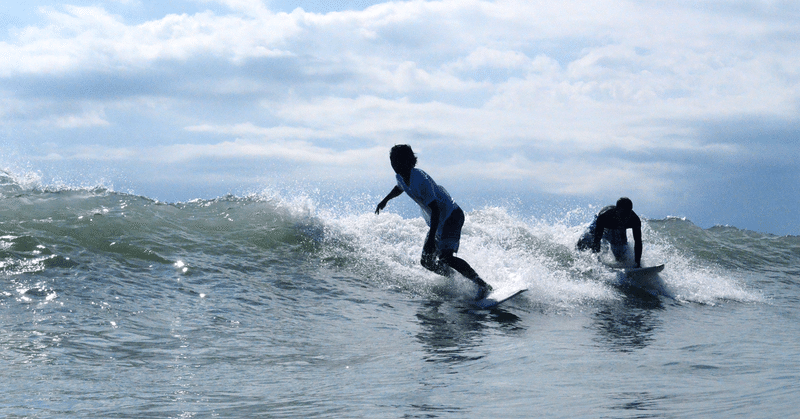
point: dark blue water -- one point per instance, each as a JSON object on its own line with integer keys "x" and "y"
{"x": 115, "y": 305}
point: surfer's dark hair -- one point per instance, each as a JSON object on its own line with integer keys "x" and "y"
{"x": 403, "y": 153}
{"x": 625, "y": 204}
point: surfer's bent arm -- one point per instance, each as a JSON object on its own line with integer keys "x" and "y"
{"x": 394, "y": 193}
{"x": 637, "y": 245}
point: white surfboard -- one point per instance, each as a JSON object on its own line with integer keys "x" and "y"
{"x": 498, "y": 297}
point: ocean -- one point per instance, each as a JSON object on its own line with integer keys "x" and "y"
{"x": 114, "y": 305}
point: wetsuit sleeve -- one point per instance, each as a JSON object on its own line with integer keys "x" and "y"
{"x": 604, "y": 220}
{"x": 637, "y": 241}
{"x": 597, "y": 234}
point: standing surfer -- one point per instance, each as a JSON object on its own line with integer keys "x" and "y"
{"x": 444, "y": 217}
{"x": 610, "y": 224}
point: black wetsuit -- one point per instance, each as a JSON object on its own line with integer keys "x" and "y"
{"x": 607, "y": 225}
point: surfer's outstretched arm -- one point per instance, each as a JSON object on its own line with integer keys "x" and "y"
{"x": 394, "y": 193}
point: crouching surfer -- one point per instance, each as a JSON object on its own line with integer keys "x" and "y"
{"x": 610, "y": 225}
{"x": 443, "y": 216}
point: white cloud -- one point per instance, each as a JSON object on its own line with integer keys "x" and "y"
{"x": 577, "y": 176}
{"x": 249, "y": 130}
{"x": 87, "y": 119}
{"x": 486, "y": 57}
{"x": 99, "y": 153}
{"x": 89, "y": 38}
{"x": 293, "y": 151}
{"x": 526, "y": 88}
{"x": 253, "y": 8}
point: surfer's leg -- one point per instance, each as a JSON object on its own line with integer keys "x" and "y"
{"x": 447, "y": 246}
{"x": 618, "y": 242}
{"x": 435, "y": 264}
{"x": 620, "y": 252}
{"x": 461, "y": 266}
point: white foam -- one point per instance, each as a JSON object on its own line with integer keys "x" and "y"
{"x": 509, "y": 250}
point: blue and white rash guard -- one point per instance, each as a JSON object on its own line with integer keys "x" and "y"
{"x": 424, "y": 190}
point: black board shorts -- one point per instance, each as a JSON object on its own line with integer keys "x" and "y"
{"x": 451, "y": 231}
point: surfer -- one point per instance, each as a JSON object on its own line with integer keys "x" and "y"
{"x": 611, "y": 224}
{"x": 444, "y": 217}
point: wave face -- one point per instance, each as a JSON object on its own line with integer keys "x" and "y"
{"x": 117, "y": 305}
{"x": 62, "y": 231}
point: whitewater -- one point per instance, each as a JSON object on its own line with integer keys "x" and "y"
{"x": 278, "y": 305}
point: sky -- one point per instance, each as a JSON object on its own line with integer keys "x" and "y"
{"x": 690, "y": 108}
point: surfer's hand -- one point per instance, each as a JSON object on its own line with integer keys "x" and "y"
{"x": 381, "y": 206}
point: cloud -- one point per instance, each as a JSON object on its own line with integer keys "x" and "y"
{"x": 577, "y": 96}
{"x": 91, "y": 39}
{"x": 293, "y": 151}
{"x": 577, "y": 176}
{"x": 87, "y": 119}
